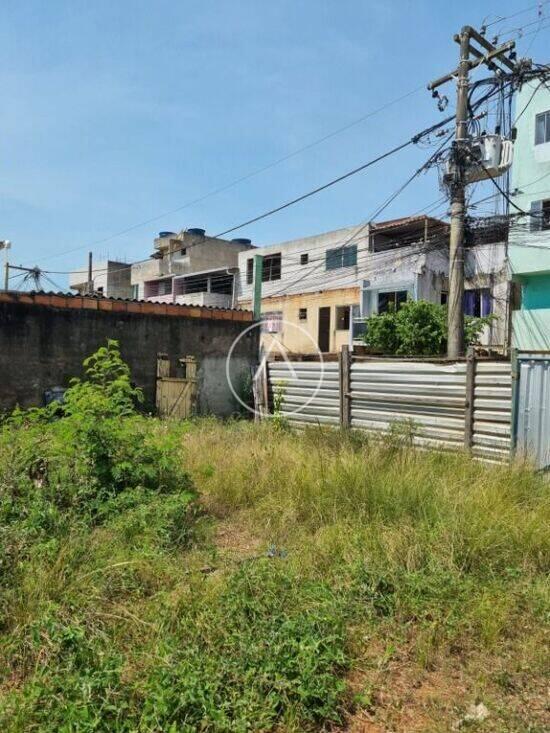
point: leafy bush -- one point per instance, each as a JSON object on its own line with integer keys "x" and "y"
{"x": 417, "y": 328}
{"x": 62, "y": 467}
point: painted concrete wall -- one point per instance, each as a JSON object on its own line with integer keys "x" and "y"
{"x": 311, "y": 277}
{"x": 202, "y": 254}
{"x": 112, "y": 277}
{"x": 531, "y": 329}
{"x": 530, "y": 250}
{"x": 301, "y": 336}
{"x": 537, "y": 294}
{"x": 531, "y": 162}
{"x": 421, "y": 271}
{"x": 42, "y": 347}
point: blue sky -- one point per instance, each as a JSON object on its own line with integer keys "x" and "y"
{"x": 115, "y": 112}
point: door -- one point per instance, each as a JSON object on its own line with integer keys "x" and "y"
{"x": 176, "y": 396}
{"x": 324, "y": 329}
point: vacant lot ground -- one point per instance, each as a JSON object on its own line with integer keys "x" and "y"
{"x": 235, "y": 577}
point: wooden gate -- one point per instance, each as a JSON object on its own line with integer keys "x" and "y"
{"x": 176, "y": 395}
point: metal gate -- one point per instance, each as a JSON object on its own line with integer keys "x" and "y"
{"x": 176, "y": 395}
{"x": 532, "y": 418}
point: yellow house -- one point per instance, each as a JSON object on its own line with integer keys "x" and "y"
{"x": 307, "y": 322}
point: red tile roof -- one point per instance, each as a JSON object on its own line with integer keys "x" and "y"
{"x": 85, "y": 302}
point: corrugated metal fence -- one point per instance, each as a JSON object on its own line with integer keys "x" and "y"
{"x": 533, "y": 407}
{"x": 310, "y": 390}
{"x": 450, "y": 405}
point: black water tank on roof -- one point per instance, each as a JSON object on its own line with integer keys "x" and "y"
{"x": 167, "y": 234}
{"x": 197, "y": 231}
{"x": 242, "y": 240}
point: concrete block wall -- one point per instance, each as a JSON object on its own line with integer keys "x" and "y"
{"x": 44, "y": 339}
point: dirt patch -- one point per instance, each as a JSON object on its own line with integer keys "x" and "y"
{"x": 397, "y": 695}
{"x": 233, "y": 538}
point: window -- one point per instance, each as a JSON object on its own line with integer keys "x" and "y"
{"x": 302, "y": 314}
{"x": 391, "y": 301}
{"x": 249, "y": 270}
{"x": 542, "y": 128}
{"x": 478, "y": 302}
{"x": 341, "y": 257}
{"x": 183, "y": 251}
{"x": 304, "y": 258}
{"x": 444, "y": 297}
{"x": 342, "y": 317}
{"x": 358, "y": 326}
{"x": 540, "y": 215}
{"x": 272, "y": 267}
{"x": 164, "y": 287}
{"x": 272, "y": 322}
{"x": 135, "y": 292}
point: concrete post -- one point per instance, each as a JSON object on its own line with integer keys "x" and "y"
{"x": 257, "y": 299}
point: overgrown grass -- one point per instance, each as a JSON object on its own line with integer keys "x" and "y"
{"x": 121, "y": 610}
{"x": 437, "y": 553}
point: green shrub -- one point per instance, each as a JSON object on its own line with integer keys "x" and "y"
{"x": 417, "y": 328}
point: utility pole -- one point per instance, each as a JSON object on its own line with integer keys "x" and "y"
{"x": 455, "y": 339}
{"x": 460, "y": 160}
{"x": 90, "y": 287}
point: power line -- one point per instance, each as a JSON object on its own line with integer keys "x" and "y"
{"x": 246, "y": 177}
{"x": 307, "y": 195}
{"x": 501, "y": 19}
{"x": 384, "y": 206}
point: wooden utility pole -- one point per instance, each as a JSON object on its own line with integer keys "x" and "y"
{"x": 460, "y": 161}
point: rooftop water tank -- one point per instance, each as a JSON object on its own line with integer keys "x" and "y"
{"x": 242, "y": 240}
{"x": 196, "y": 231}
{"x": 167, "y": 234}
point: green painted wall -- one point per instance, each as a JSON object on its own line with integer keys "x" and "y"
{"x": 531, "y": 329}
{"x": 529, "y": 251}
{"x": 535, "y": 292}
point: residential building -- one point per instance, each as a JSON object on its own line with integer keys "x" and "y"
{"x": 110, "y": 278}
{"x": 190, "y": 268}
{"x": 529, "y": 248}
{"x": 317, "y": 291}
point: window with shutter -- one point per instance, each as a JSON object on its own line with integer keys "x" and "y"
{"x": 350, "y": 256}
